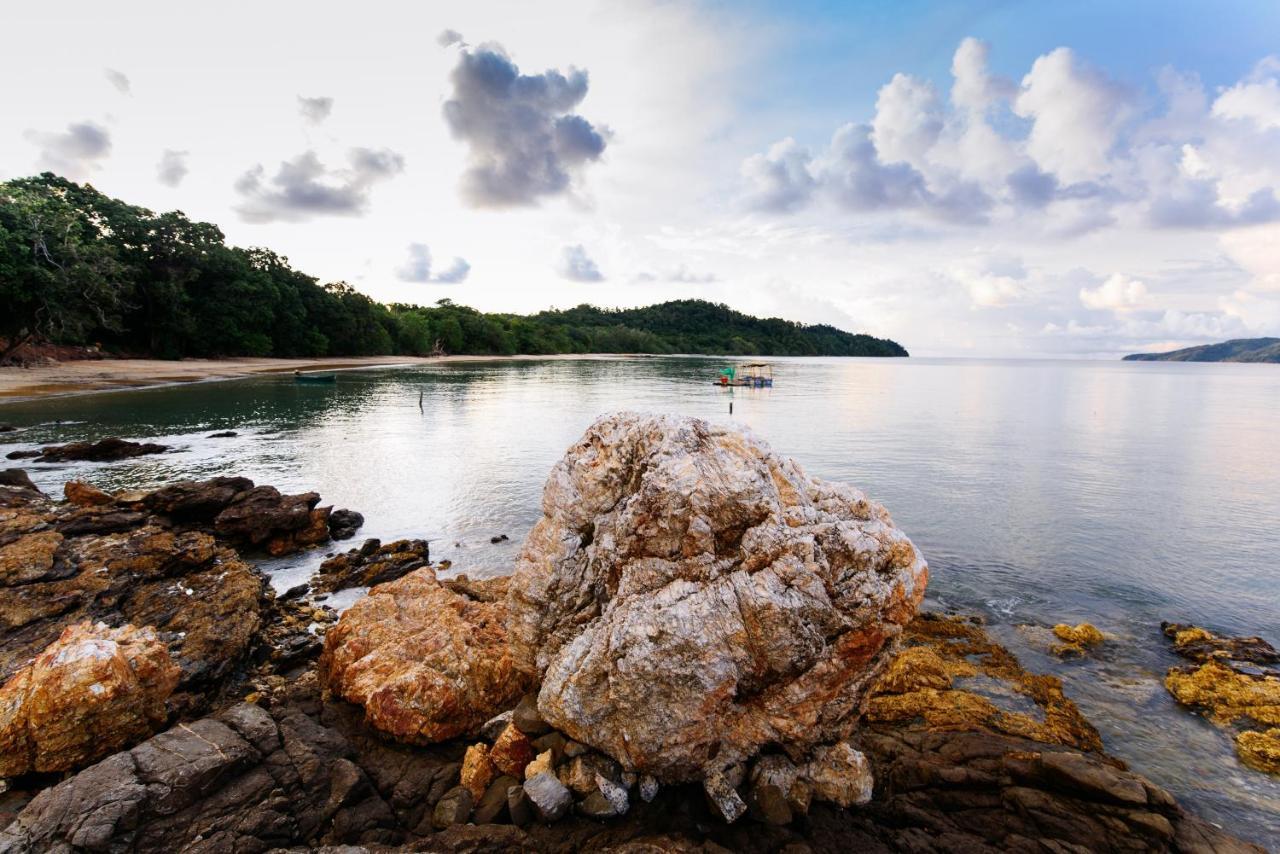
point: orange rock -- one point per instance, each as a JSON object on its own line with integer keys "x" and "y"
{"x": 511, "y": 752}
{"x": 85, "y": 494}
{"x": 426, "y": 663}
{"x": 94, "y": 691}
{"x": 477, "y": 770}
{"x": 29, "y": 558}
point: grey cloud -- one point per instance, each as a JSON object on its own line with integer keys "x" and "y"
{"x": 118, "y": 80}
{"x": 577, "y": 266}
{"x": 779, "y": 180}
{"x": 524, "y": 143}
{"x": 680, "y": 274}
{"x": 447, "y": 38}
{"x": 418, "y": 267}
{"x": 315, "y": 110}
{"x": 1195, "y": 204}
{"x": 172, "y": 167}
{"x": 304, "y": 187}
{"x": 1032, "y": 188}
{"x": 74, "y": 152}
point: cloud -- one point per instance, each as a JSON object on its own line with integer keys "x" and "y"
{"x": 315, "y": 110}
{"x": 448, "y": 38}
{"x": 1255, "y": 99}
{"x": 992, "y": 281}
{"x": 118, "y": 80}
{"x": 681, "y": 274}
{"x": 974, "y": 87}
{"x": 417, "y": 267}
{"x": 1117, "y": 293}
{"x": 908, "y": 120}
{"x": 576, "y": 266}
{"x": 172, "y": 167}
{"x": 524, "y": 142}
{"x": 779, "y": 179}
{"x": 75, "y": 152}
{"x": 304, "y": 187}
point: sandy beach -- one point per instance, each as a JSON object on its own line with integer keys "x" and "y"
{"x": 78, "y": 377}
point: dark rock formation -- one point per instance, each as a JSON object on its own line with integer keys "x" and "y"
{"x": 343, "y": 524}
{"x": 372, "y": 563}
{"x": 103, "y": 450}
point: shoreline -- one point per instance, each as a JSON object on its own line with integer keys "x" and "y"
{"x": 63, "y": 379}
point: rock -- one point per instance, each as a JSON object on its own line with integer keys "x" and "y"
{"x": 365, "y": 567}
{"x": 297, "y": 591}
{"x": 552, "y": 741}
{"x": 343, "y": 524}
{"x": 85, "y": 495}
{"x": 501, "y": 538}
{"x": 22, "y": 455}
{"x": 914, "y": 669}
{"x": 223, "y": 434}
{"x": 92, "y": 692}
{"x": 495, "y": 725}
{"x": 478, "y": 770}
{"x": 778, "y": 772}
{"x": 543, "y": 763}
{"x": 19, "y": 480}
{"x": 614, "y": 795}
{"x": 550, "y": 798}
{"x": 840, "y": 775}
{"x": 453, "y": 808}
{"x": 580, "y": 773}
{"x": 575, "y": 748}
{"x": 688, "y": 596}
{"x": 33, "y": 557}
{"x": 103, "y": 450}
{"x": 527, "y": 718}
{"x": 649, "y": 786}
{"x": 262, "y": 513}
{"x": 1201, "y": 645}
{"x": 1076, "y": 639}
{"x": 426, "y": 663}
{"x": 7, "y": 428}
{"x": 196, "y": 500}
{"x": 512, "y": 752}
{"x": 723, "y": 798}
{"x": 519, "y": 807}
{"x": 768, "y": 803}
{"x": 492, "y": 807}
{"x": 1260, "y": 750}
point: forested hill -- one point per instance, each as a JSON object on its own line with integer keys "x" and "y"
{"x": 80, "y": 268}
{"x": 1236, "y": 350}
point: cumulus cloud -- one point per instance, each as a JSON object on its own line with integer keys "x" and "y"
{"x": 75, "y": 152}
{"x": 974, "y": 87}
{"x": 779, "y": 179}
{"x": 908, "y": 120}
{"x": 991, "y": 281}
{"x": 1117, "y": 293}
{"x": 119, "y": 80}
{"x": 524, "y": 142}
{"x": 172, "y": 167}
{"x": 1255, "y": 99}
{"x": 576, "y": 265}
{"x": 315, "y": 110}
{"x": 418, "y": 267}
{"x": 304, "y": 187}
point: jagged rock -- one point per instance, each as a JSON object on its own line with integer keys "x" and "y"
{"x": 614, "y": 796}
{"x": 550, "y": 798}
{"x": 580, "y": 772}
{"x": 32, "y": 557}
{"x": 367, "y": 566}
{"x": 519, "y": 807}
{"x": 85, "y": 494}
{"x": 723, "y": 797}
{"x": 492, "y": 806}
{"x": 1076, "y": 639}
{"x": 196, "y": 500}
{"x": 103, "y": 450}
{"x": 17, "y": 483}
{"x": 261, "y": 513}
{"x": 495, "y": 725}
{"x": 453, "y": 808}
{"x": 343, "y": 524}
{"x": 478, "y": 770}
{"x": 840, "y": 775}
{"x": 512, "y": 752}
{"x": 543, "y": 763}
{"x": 1260, "y": 749}
{"x": 92, "y": 692}
{"x": 649, "y": 787}
{"x": 553, "y": 742}
{"x": 1201, "y": 645}
{"x": 689, "y": 596}
{"x": 527, "y": 718}
{"x": 778, "y": 772}
{"x": 426, "y": 663}
{"x": 223, "y": 434}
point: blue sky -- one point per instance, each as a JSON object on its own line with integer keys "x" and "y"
{"x": 1068, "y": 179}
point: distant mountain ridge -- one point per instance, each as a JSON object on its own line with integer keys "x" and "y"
{"x": 1236, "y": 350}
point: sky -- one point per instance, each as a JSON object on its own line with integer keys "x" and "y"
{"x": 990, "y": 179}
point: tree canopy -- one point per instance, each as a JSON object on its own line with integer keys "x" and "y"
{"x": 80, "y": 268}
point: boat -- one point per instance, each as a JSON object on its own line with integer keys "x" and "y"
{"x": 300, "y": 377}
{"x": 749, "y": 375}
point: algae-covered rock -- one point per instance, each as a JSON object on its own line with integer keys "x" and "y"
{"x": 1076, "y": 639}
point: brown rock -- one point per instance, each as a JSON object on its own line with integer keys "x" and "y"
{"x": 453, "y": 808}
{"x": 1260, "y": 749}
{"x": 94, "y": 691}
{"x": 365, "y": 566}
{"x": 492, "y": 807}
{"x": 31, "y": 558}
{"x": 103, "y": 450}
{"x": 262, "y": 513}
{"x": 1076, "y": 639}
{"x": 839, "y": 775}
{"x": 478, "y": 770}
{"x": 427, "y": 664}
{"x": 512, "y": 752}
{"x": 543, "y": 763}
{"x": 85, "y": 495}
{"x": 196, "y": 500}
{"x": 689, "y": 596}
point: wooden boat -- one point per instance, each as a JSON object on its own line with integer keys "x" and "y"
{"x": 749, "y": 375}
{"x": 300, "y": 377}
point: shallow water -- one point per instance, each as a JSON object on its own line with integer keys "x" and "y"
{"x": 1121, "y": 493}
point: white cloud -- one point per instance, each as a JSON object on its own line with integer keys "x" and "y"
{"x": 908, "y": 120}
{"x": 1256, "y": 99}
{"x": 75, "y": 152}
{"x": 577, "y": 266}
{"x": 1117, "y": 293}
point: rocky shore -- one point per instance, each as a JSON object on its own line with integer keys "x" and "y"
{"x": 701, "y": 649}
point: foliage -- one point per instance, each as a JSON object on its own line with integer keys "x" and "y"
{"x": 78, "y": 267}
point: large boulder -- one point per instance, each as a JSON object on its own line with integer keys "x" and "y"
{"x": 689, "y": 596}
{"x": 92, "y": 692}
{"x": 427, "y": 663}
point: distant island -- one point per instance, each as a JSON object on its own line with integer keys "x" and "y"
{"x": 1236, "y": 350}
{"x": 80, "y": 269}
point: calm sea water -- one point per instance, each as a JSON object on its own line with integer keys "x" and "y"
{"x": 1119, "y": 493}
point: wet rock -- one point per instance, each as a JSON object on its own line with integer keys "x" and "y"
{"x": 22, "y": 455}
{"x": 453, "y": 808}
{"x": 492, "y": 807}
{"x": 512, "y": 752}
{"x": 501, "y": 538}
{"x": 688, "y": 596}
{"x": 1197, "y": 644}
{"x": 262, "y": 513}
{"x": 1076, "y": 639}
{"x": 478, "y": 770}
{"x": 549, "y": 797}
{"x": 19, "y": 480}
{"x": 372, "y": 563}
{"x": 92, "y": 692}
{"x": 85, "y": 495}
{"x": 527, "y": 718}
{"x": 1260, "y": 749}
{"x": 426, "y": 663}
{"x": 343, "y": 524}
{"x": 297, "y": 591}
{"x": 223, "y": 434}
{"x": 103, "y": 450}
{"x": 196, "y": 500}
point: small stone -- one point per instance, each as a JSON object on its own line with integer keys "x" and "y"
{"x": 492, "y": 808}
{"x": 295, "y": 592}
{"x": 1083, "y": 634}
{"x": 477, "y": 770}
{"x": 596, "y": 805}
{"x": 453, "y": 808}
{"x": 575, "y": 748}
{"x": 512, "y": 752}
{"x": 542, "y": 764}
{"x": 580, "y": 772}
{"x": 767, "y": 803}
{"x": 649, "y": 786}
{"x": 840, "y": 775}
{"x": 223, "y": 434}
{"x": 628, "y": 780}
{"x": 723, "y": 798}
{"x": 495, "y": 725}
{"x": 527, "y": 718}
{"x": 552, "y": 741}
{"x": 519, "y": 807}
{"x": 615, "y": 794}
{"x": 551, "y": 799}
